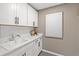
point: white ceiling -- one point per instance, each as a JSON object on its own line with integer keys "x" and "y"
{"x": 39, "y": 6}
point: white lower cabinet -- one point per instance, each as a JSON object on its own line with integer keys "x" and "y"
{"x": 37, "y": 46}
{"x": 34, "y": 48}
{"x": 40, "y": 45}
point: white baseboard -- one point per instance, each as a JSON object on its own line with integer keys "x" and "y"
{"x": 52, "y": 52}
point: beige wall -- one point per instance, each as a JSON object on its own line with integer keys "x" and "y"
{"x": 70, "y": 43}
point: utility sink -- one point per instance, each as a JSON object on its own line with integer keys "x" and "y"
{"x": 15, "y": 42}
{"x": 11, "y": 44}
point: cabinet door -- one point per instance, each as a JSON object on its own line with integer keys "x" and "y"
{"x": 35, "y": 15}
{"x": 30, "y": 16}
{"x": 39, "y": 44}
{"x": 30, "y": 49}
{"x": 35, "y": 47}
{"x": 22, "y": 13}
{"x": 7, "y": 13}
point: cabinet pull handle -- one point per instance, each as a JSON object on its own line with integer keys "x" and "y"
{"x": 33, "y": 23}
{"x": 16, "y": 20}
{"x": 39, "y": 44}
{"x": 24, "y": 54}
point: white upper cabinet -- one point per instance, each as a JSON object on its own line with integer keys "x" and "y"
{"x": 7, "y": 13}
{"x": 35, "y": 18}
{"x": 18, "y": 14}
{"x": 32, "y": 17}
{"x": 22, "y": 13}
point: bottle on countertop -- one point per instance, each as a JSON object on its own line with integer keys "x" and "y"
{"x": 34, "y": 32}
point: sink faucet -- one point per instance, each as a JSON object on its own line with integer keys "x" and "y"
{"x": 13, "y": 37}
{"x": 17, "y": 35}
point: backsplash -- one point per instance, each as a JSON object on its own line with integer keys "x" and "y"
{"x": 6, "y": 31}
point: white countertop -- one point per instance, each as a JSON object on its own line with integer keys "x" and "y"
{"x": 4, "y": 51}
